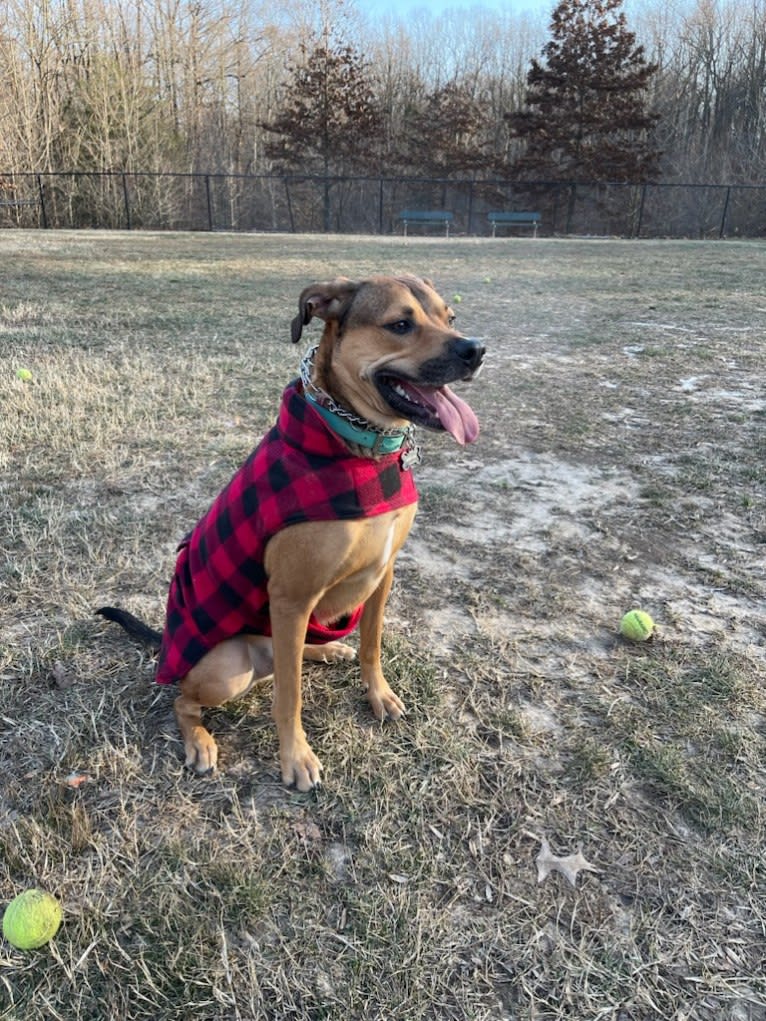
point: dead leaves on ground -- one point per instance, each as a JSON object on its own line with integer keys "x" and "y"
{"x": 569, "y": 865}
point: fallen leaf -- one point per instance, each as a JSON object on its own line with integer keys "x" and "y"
{"x": 308, "y": 831}
{"x": 569, "y": 865}
{"x": 76, "y": 780}
{"x": 57, "y": 678}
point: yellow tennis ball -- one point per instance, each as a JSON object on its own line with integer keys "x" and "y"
{"x": 31, "y": 919}
{"x": 457, "y": 298}
{"x": 637, "y": 625}
{"x": 24, "y": 375}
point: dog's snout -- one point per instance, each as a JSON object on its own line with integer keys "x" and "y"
{"x": 470, "y": 352}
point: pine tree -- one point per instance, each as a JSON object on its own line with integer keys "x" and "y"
{"x": 455, "y": 125}
{"x": 329, "y": 122}
{"x": 329, "y": 118}
{"x": 586, "y": 114}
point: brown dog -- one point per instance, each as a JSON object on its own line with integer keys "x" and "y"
{"x": 300, "y": 547}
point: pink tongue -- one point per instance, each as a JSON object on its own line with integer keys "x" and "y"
{"x": 454, "y": 414}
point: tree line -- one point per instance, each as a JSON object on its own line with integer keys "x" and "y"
{"x": 226, "y": 86}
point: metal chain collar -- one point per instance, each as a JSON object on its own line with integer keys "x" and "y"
{"x": 307, "y": 364}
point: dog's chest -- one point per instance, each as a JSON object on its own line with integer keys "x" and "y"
{"x": 366, "y": 565}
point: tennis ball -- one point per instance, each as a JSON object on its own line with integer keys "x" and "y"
{"x": 23, "y": 374}
{"x": 637, "y": 625}
{"x": 31, "y": 919}
{"x": 456, "y": 298}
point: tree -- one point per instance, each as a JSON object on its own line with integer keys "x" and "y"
{"x": 448, "y": 135}
{"x": 329, "y": 122}
{"x": 586, "y": 114}
{"x": 711, "y": 90}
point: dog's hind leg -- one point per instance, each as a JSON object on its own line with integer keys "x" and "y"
{"x": 330, "y": 652}
{"x": 225, "y": 673}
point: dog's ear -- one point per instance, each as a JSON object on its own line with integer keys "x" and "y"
{"x": 326, "y": 300}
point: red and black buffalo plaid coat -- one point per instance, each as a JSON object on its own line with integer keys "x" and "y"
{"x": 300, "y": 471}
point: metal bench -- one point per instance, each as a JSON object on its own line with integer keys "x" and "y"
{"x": 440, "y": 216}
{"x": 501, "y": 219}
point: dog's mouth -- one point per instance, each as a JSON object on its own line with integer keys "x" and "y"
{"x": 434, "y": 407}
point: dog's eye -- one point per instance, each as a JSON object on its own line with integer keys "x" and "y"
{"x": 400, "y": 327}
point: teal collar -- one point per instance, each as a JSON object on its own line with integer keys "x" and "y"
{"x": 377, "y": 442}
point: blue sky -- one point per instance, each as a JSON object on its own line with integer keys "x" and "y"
{"x": 404, "y": 7}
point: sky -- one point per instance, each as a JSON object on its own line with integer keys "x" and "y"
{"x": 404, "y": 7}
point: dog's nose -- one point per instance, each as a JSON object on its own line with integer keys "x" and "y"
{"x": 469, "y": 351}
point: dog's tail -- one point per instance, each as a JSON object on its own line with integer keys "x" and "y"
{"x": 135, "y": 627}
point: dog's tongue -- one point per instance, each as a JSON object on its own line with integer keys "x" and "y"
{"x": 454, "y": 414}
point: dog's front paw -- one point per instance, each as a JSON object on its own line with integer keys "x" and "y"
{"x": 300, "y": 766}
{"x": 385, "y": 703}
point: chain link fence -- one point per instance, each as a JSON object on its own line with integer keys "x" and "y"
{"x": 372, "y": 205}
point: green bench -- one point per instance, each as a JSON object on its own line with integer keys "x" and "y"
{"x": 501, "y": 219}
{"x": 440, "y": 216}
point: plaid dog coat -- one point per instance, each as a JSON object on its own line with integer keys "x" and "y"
{"x": 300, "y": 471}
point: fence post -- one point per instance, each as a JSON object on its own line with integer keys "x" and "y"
{"x": 41, "y": 190}
{"x": 641, "y": 211}
{"x": 571, "y": 207}
{"x": 470, "y": 207}
{"x": 209, "y": 203}
{"x": 722, "y": 231}
{"x": 289, "y": 205}
{"x": 380, "y": 205}
{"x": 126, "y": 199}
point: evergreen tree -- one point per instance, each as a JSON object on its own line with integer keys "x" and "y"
{"x": 586, "y": 114}
{"x": 329, "y": 122}
{"x": 447, "y": 135}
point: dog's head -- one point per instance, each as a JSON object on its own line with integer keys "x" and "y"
{"x": 388, "y": 350}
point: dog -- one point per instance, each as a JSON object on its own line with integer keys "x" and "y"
{"x": 299, "y": 548}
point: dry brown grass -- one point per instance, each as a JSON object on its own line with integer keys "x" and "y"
{"x": 621, "y": 463}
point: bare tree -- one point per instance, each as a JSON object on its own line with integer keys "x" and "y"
{"x": 711, "y": 91}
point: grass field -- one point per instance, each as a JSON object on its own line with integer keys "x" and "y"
{"x": 622, "y": 463}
